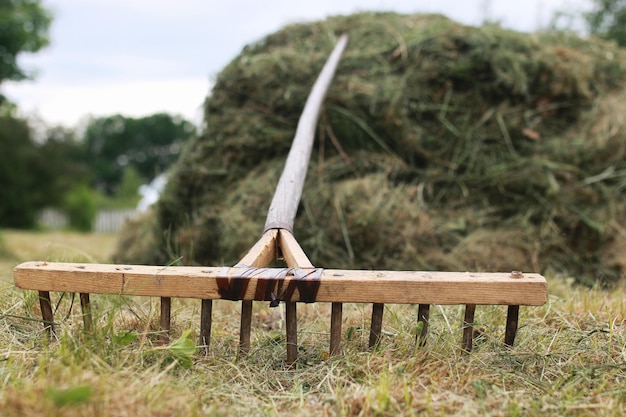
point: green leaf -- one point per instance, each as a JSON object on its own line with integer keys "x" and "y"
{"x": 350, "y": 333}
{"x": 419, "y": 327}
{"x": 183, "y": 349}
{"x": 125, "y": 339}
{"x": 75, "y": 395}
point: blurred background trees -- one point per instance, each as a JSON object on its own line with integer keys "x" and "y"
{"x": 607, "y": 19}
{"x": 119, "y": 146}
{"x": 55, "y": 167}
{"x": 106, "y": 165}
{"x": 23, "y": 28}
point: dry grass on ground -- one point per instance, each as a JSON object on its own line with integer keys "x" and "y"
{"x": 569, "y": 359}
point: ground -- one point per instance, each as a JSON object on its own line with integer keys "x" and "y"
{"x": 569, "y": 358}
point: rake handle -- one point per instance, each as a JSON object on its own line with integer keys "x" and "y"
{"x": 284, "y": 206}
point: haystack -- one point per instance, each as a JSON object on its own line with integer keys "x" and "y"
{"x": 440, "y": 146}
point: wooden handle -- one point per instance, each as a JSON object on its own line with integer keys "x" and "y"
{"x": 282, "y": 211}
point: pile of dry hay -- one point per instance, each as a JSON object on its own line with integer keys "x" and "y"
{"x": 440, "y": 146}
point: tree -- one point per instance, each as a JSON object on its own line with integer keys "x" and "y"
{"x": 23, "y": 178}
{"x": 148, "y": 144}
{"x": 64, "y": 164}
{"x": 34, "y": 175}
{"x": 19, "y": 190}
{"x": 80, "y": 207}
{"x": 23, "y": 28}
{"x": 607, "y": 19}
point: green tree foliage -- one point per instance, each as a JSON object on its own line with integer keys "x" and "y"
{"x": 34, "y": 175}
{"x": 148, "y": 144}
{"x": 23, "y": 28}
{"x": 607, "y": 19}
{"x": 128, "y": 191}
{"x": 80, "y": 207}
{"x": 24, "y": 175}
{"x": 65, "y": 163}
{"x": 21, "y": 176}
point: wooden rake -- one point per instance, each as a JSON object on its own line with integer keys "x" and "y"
{"x": 300, "y": 281}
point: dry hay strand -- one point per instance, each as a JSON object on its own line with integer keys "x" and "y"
{"x": 440, "y": 145}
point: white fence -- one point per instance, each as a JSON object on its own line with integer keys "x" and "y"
{"x": 52, "y": 219}
{"x": 107, "y": 221}
{"x": 111, "y": 221}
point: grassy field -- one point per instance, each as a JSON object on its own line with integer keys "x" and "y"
{"x": 569, "y": 358}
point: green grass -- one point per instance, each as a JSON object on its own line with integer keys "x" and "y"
{"x": 569, "y": 358}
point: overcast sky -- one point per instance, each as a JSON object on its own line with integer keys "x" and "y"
{"x": 138, "y": 57}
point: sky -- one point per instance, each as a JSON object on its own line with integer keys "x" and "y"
{"x": 139, "y": 57}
